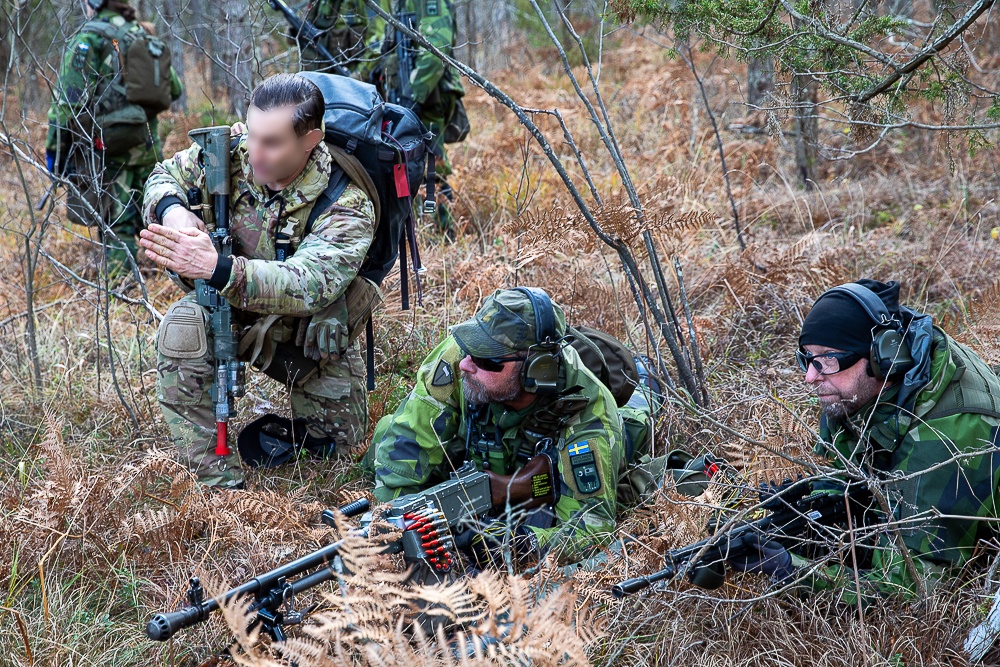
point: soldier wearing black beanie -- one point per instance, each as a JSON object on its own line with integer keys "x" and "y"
{"x": 839, "y": 322}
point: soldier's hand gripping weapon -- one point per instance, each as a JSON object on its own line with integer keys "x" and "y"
{"x": 793, "y": 516}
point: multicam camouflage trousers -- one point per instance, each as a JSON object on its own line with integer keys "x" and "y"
{"x": 333, "y": 401}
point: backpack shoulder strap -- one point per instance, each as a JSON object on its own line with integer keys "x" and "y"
{"x": 352, "y": 172}
{"x": 106, "y": 29}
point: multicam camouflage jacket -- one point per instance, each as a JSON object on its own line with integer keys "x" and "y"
{"x": 314, "y": 279}
{"x": 427, "y": 437}
{"x": 87, "y": 67}
{"x": 939, "y": 464}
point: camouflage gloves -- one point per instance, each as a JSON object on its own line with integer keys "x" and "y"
{"x": 326, "y": 333}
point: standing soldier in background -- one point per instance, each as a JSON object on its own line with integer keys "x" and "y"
{"x": 432, "y": 89}
{"x": 116, "y": 77}
{"x": 343, "y": 26}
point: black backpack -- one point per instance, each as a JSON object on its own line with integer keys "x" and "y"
{"x": 395, "y": 150}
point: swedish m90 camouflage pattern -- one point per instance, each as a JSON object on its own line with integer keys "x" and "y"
{"x": 936, "y": 501}
{"x": 310, "y": 284}
{"x": 426, "y": 439}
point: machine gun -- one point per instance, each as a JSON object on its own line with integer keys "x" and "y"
{"x": 426, "y": 519}
{"x": 305, "y": 32}
{"x": 228, "y": 383}
{"x": 794, "y": 514}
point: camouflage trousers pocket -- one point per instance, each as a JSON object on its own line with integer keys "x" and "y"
{"x": 184, "y": 382}
{"x": 182, "y": 332}
{"x": 329, "y": 387}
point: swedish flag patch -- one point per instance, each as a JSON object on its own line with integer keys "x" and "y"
{"x": 584, "y": 466}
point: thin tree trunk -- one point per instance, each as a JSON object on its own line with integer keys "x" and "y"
{"x": 804, "y": 101}
{"x": 173, "y": 37}
{"x": 760, "y": 81}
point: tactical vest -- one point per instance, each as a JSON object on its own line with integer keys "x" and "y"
{"x": 975, "y": 388}
{"x": 540, "y": 428}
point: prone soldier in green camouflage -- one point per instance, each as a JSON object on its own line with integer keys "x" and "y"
{"x": 344, "y": 28}
{"x": 473, "y": 399}
{"x": 435, "y": 87}
{"x": 903, "y": 403}
{"x": 89, "y": 64}
{"x": 293, "y": 308}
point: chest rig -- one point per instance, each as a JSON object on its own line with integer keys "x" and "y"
{"x": 503, "y": 441}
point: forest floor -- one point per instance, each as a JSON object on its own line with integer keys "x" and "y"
{"x": 100, "y": 528}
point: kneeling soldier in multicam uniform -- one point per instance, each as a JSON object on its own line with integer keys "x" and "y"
{"x": 506, "y": 391}
{"x": 287, "y": 287}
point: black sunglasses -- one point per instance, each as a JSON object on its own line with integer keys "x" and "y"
{"x": 827, "y": 363}
{"x": 494, "y": 364}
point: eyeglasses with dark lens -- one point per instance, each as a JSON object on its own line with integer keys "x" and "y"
{"x": 827, "y": 363}
{"x": 494, "y": 364}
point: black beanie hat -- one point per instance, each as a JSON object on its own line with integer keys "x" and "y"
{"x": 838, "y": 321}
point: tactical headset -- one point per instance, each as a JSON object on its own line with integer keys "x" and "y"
{"x": 889, "y": 354}
{"x": 540, "y": 373}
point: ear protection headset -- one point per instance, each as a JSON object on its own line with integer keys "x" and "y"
{"x": 889, "y": 354}
{"x": 540, "y": 373}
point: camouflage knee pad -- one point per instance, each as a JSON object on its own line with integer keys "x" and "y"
{"x": 185, "y": 369}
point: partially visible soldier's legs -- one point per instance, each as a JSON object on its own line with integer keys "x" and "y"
{"x": 185, "y": 372}
{"x": 125, "y": 221}
{"x": 334, "y": 403}
{"x": 640, "y": 412}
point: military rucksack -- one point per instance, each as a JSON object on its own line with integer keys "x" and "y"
{"x": 393, "y": 148}
{"x": 607, "y": 358}
{"x": 139, "y": 89}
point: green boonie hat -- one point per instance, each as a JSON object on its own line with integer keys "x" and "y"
{"x": 503, "y": 326}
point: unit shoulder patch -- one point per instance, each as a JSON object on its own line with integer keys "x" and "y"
{"x": 443, "y": 375}
{"x": 584, "y": 466}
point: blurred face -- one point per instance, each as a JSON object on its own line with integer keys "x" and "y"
{"x": 277, "y": 155}
{"x": 841, "y": 394}
{"x": 482, "y": 386}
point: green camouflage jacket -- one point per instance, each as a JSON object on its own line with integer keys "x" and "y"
{"x": 426, "y": 438}
{"x": 324, "y": 263}
{"x": 87, "y": 65}
{"x": 431, "y": 81}
{"x": 937, "y": 504}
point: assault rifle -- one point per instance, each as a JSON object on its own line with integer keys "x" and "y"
{"x": 426, "y": 519}
{"x": 308, "y": 34}
{"x": 794, "y": 514}
{"x": 402, "y": 92}
{"x": 229, "y": 370}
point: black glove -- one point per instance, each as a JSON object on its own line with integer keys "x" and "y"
{"x": 486, "y": 545}
{"x": 768, "y": 491}
{"x": 750, "y": 554}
